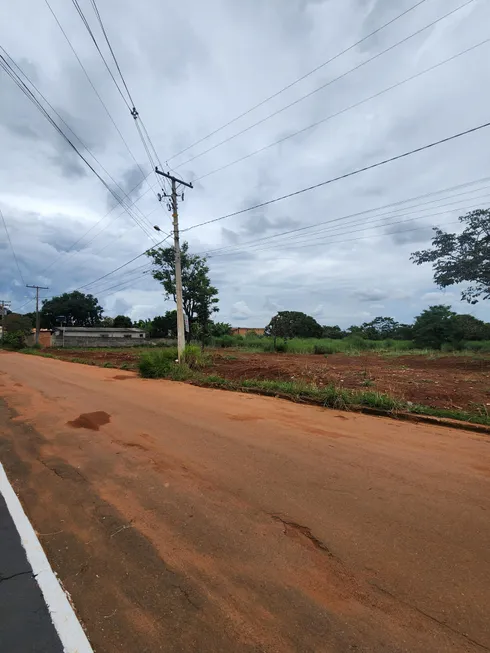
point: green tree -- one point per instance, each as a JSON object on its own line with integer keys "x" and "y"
{"x": 122, "y": 322}
{"x": 14, "y": 322}
{"x": 435, "y": 326}
{"x": 107, "y": 322}
{"x": 76, "y": 308}
{"x": 145, "y": 324}
{"x": 200, "y": 298}
{"x": 332, "y": 332}
{"x": 293, "y": 324}
{"x": 464, "y": 257}
{"x": 404, "y": 332}
{"x": 218, "y": 329}
{"x": 164, "y": 326}
{"x": 32, "y": 318}
{"x": 468, "y": 327}
{"x": 380, "y": 328}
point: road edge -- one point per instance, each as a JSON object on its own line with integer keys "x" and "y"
{"x": 65, "y": 621}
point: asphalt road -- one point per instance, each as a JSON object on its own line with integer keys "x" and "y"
{"x": 189, "y": 519}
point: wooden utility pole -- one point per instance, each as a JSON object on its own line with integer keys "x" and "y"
{"x": 38, "y": 317}
{"x": 3, "y": 307}
{"x": 178, "y": 266}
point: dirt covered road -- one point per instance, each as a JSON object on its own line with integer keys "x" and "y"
{"x": 188, "y": 519}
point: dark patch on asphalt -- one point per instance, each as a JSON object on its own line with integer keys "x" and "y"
{"x": 291, "y": 529}
{"x": 64, "y": 471}
{"x": 135, "y": 445}
{"x": 25, "y": 623}
{"x": 91, "y": 421}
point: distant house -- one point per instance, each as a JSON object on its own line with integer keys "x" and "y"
{"x": 243, "y": 331}
{"x": 97, "y": 337}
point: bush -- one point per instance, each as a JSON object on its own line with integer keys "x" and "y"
{"x": 358, "y": 343}
{"x": 281, "y": 347}
{"x": 225, "y": 341}
{"x": 323, "y": 350}
{"x": 194, "y": 357}
{"x": 14, "y": 340}
{"x": 157, "y": 364}
{"x": 482, "y": 346}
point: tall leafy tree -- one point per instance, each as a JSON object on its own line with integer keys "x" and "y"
{"x": 200, "y": 298}
{"x": 164, "y": 326}
{"x": 435, "y": 326}
{"x": 293, "y": 324}
{"x": 122, "y": 322}
{"x": 218, "y": 329}
{"x": 464, "y": 257}
{"x": 16, "y": 323}
{"x": 333, "y": 332}
{"x": 76, "y": 308}
{"x": 380, "y": 328}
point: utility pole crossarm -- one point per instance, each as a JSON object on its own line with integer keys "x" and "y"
{"x": 38, "y": 317}
{"x": 173, "y": 179}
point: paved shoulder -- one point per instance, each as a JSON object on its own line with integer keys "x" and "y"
{"x": 27, "y": 584}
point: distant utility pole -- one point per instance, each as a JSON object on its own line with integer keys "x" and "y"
{"x": 38, "y": 317}
{"x": 4, "y": 304}
{"x": 178, "y": 266}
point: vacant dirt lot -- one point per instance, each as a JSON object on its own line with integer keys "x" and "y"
{"x": 453, "y": 382}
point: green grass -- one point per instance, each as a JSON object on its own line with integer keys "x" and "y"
{"x": 161, "y": 363}
{"x": 331, "y": 396}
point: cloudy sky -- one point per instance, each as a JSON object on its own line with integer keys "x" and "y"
{"x": 192, "y": 67}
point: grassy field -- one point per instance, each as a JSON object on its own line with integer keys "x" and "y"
{"x": 351, "y": 345}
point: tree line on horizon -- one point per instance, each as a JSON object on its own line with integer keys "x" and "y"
{"x": 455, "y": 258}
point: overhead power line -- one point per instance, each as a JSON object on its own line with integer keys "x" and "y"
{"x": 129, "y": 102}
{"x": 319, "y": 88}
{"x": 303, "y": 190}
{"x": 342, "y": 111}
{"x": 333, "y": 232}
{"x": 9, "y": 69}
{"x": 344, "y": 221}
{"x": 299, "y": 79}
{"x": 87, "y": 25}
{"x": 344, "y": 176}
{"x": 124, "y": 264}
{"x": 144, "y": 176}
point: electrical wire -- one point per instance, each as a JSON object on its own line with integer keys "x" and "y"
{"x": 7, "y": 67}
{"x": 342, "y": 111}
{"x": 144, "y": 175}
{"x": 299, "y": 79}
{"x": 131, "y": 105}
{"x": 340, "y": 177}
{"x": 344, "y": 219}
{"x": 124, "y": 264}
{"x": 87, "y": 25}
{"x": 316, "y": 241}
{"x": 321, "y": 87}
{"x": 142, "y": 217}
{"x": 303, "y": 190}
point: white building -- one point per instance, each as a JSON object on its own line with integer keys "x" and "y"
{"x": 97, "y": 336}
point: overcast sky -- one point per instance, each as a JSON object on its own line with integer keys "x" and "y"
{"x": 191, "y": 67}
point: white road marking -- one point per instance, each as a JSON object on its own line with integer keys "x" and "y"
{"x": 67, "y": 626}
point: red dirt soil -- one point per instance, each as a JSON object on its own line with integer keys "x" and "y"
{"x": 205, "y": 521}
{"x": 452, "y": 382}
